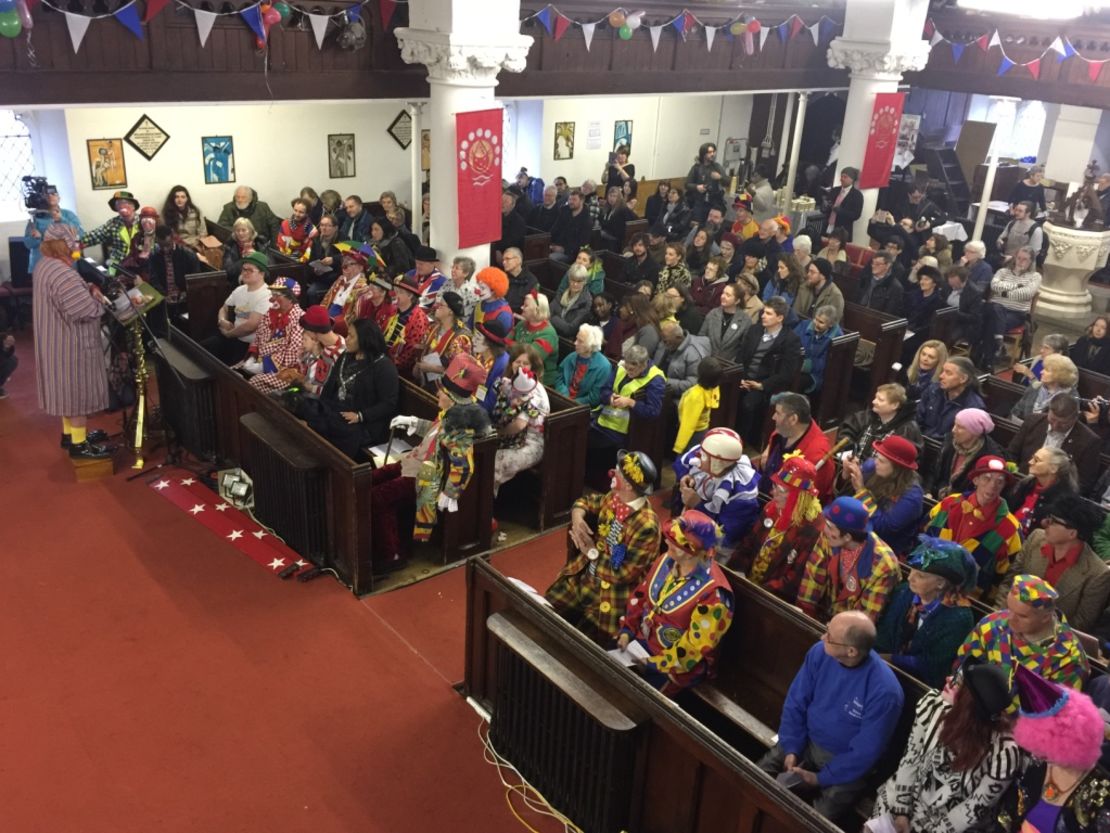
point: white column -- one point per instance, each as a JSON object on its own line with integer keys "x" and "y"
{"x": 783, "y": 159}
{"x": 416, "y": 198}
{"x": 795, "y": 147}
{"x": 462, "y": 73}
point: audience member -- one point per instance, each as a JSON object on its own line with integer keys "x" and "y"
{"x": 325, "y": 259}
{"x": 922, "y": 303}
{"x": 410, "y": 332}
{"x": 641, "y": 266}
{"x": 1052, "y": 343}
{"x": 840, "y": 713}
{"x": 245, "y": 204}
{"x": 543, "y": 216}
{"x": 1052, "y": 477}
{"x": 571, "y": 308}
{"x": 518, "y": 417}
{"x": 341, "y": 300}
{"x": 279, "y": 340}
{"x": 169, "y": 267}
{"x": 521, "y": 280}
{"x": 583, "y": 373}
{"x": 491, "y": 348}
{"x": 1030, "y": 189}
{"x": 640, "y": 323}
{"x": 888, "y": 486}
{"x": 744, "y": 225}
{"x": 572, "y": 229}
{"x": 1059, "y": 376}
{"x": 611, "y": 326}
{"x": 707, "y": 287}
{"x": 956, "y": 388}
{"x": 244, "y": 240}
{"x": 818, "y": 290}
{"x": 891, "y": 414}
{"x": 979, "y": 272}
{"x": 674, "y": 271}
{"x": 770, "y": 358}
{"x": 697, "y": 403}
{"x": 394, "y": 254}
{"x": 490, "y": 285}
{"x": 137, "y": 261}
{"x": 588, "y": 259}
{"x": 706, "y": 182}
{"x": 750, "y": 303}
{"x": 463, "y": 284}
{"x": 700, "y": 249}
{"x": 657, "y": 202}
{"x": 321, "y": 349}
{"x": 242, "y": 312}
{"x": 795, "y": 430}
{"x": 785, "y": 283}
{"x": 315, "y": 206}
{"x": 118, "y": 233}
{"x": 513, "y": 227}
{"x": 354, "y": 225}
{"x": 969, "y": 440}
{"x": 1021, "y": 232}
{"x": 816, "y": 337}
{"x": 847, "y": 204}
{"x": 1059, "y": 427}
{"x": 614, "y": 218}
{"x": 725, "y": 325}
{"x": 1013, "y": 289}
{"x": 678, "y": 303}
{"x": 881, "y": 290}
{"x": 1092, "y": 350}
{"x": 682, "y": 608}
{"x": 925, "y": 368}
{"x": 929, "y": 615}
{"x": 184, "y": 218}
{"x": 678, "y": 355}
{"x": 535, "y": 329}
{"x": 937, "y": 245}
{"x": 447, "y": 338}
{"x": 426, "y": 271}
{"x": 731, "y": 258}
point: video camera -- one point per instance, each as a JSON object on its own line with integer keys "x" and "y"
{"x": 36, "y": 193}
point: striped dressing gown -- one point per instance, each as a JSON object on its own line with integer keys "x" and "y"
{"x": 69, "y": 360}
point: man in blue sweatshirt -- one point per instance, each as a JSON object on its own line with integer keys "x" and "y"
{"x": 839, "y": 715}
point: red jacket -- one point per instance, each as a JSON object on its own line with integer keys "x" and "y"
{"x": 814, "y": 445}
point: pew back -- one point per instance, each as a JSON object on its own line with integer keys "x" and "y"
{"x": 885, "y": 331}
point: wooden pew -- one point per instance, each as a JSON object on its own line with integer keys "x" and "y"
{"x": 943, "y": 325}
{"x": 540, "y": 678}
{"x": 832, "y": 399}
{"x": 885, "y": 331}
{"x": 1000, "y": 396}
{"x": 537, "y": 245}
{"x": 848, "y": 284}
{"x": 221, "y": 233}
{"x": 205, "y": 294}
{"x": 631, "y": 229}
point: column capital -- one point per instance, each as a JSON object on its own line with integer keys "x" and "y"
{"x": 877, "y": 59}
{"x": 463, "y": 62}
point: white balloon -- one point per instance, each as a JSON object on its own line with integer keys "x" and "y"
{"x": 634, "y": 20}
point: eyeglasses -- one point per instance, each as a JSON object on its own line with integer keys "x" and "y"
{"x": 1052, "y": 519}
{"x": 828, "y": 639}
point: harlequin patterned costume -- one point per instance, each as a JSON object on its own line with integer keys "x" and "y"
{"x": 992, "y": 541}
{"x": 594, "y": 594}
{"x": 317, "y": 368}
{"x": 278, "y": 343}
{"x": 678, "y": 619}
{"x": 408, "y": 336}
{"x": 1062, "y": 660}
{"x": 524, "y": 449}
{"x": 296, "y": 240}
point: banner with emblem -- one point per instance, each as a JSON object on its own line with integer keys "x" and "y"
{"x": 882, "y": 140}
{"x": 478, "y": 154}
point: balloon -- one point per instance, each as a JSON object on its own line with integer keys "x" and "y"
{"x": 271, "y": 16}
{"x": 738, "y": 28}
{"x": 634, "y": 20}
{"x": 625, "y": 32}
{"x": 261, "y": 44}
{"x": 25, "y": 15}
{"x": 754, "y": 26}
{"x": 616, "y": 18}
{"x": 283, "y": 10}
{"x": 10, "y": 27}
{"x": 7, "y": 6}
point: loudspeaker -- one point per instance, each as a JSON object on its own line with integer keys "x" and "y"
{"x": 19, "y": 256}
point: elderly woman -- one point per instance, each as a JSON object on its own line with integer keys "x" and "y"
{"x": 960, "y": 757}
{"x": 891, "y": 413}
{"x": 518, "y": 416}
{"x": 929, "y": 616}
{"x": 682, "y": 591}
{"x": 640, "y": 323}
{"x": 1052, "y": 343}
{"x": 968, "y": 440}
{"x": 817, "y": 336}
{"x": 244, "y": 240}
{"x": 341, "y": 299}
{"x": 803, "y": 252}
{"x": 447, "y": 338}
{"x": 725, "y": 325}
{"x": 1052, "y": 476}
{"x": 922, "y": 303}
{"x": 69, "y": 365}
{"x": 535, "y": 328}
{"x": 979, "y": 272}
{"x": 786, "y": 282}
{"x": 589, "y": 261}
{"x": 570, "y": 309}
{"x": 774, "y": 553}
{"x": 583, "y": 373}
{"x": 707, "y": 287}
{"x": 981, "y": 521}
{"x": 674, "y": 271}
{"x": 183, "y": 217}
{"x": 1058, "y": 375}
{"x": 888, "y": 486}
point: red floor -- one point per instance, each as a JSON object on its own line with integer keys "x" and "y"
{"x": 154, "y": 679}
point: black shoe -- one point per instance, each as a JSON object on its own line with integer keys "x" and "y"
{"x": 88, "y": 451}
{"x": 93, "y": 436}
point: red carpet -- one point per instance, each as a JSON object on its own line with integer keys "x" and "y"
{"x": 156, "y": 680}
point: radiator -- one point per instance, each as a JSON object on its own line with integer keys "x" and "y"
{"x": 186, "y": 398}
{"x": 290, "y": 488}
{"x": 585, "y": 769}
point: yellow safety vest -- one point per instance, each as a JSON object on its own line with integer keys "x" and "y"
{"x": 617, "y": 419}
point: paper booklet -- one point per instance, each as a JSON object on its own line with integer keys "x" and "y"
{"x": 396, "y": 449}
{"x": 629, "y": 656}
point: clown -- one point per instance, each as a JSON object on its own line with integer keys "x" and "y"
{"x": 117, "y": 233}
{"x": 491, "y": 284}
{"x": 775, "y": 552}
{"x": 342, "y": 296}
{"x": 377, "y": 304}
{"x": 683, "y": 607}
{"x": 521, "y": 408}
{"x": 592, "y": 590}
{"x": 279, "y": 339}
{"x": 716, "y": 478}
{"x": 297, "y": 232}
{"x": 435, "y": 473}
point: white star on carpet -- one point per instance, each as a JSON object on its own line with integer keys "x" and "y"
{"x": 300, "y": 562}
{"x": 259, "y": 534}
{"x": 277, "y": 564}
{"x": 222, "y": 507}
{"x": 188, "y": 481}
{"x": 162, "y": 484}
{"x": 235, "y": 535}
{"x": 196, "y": 510}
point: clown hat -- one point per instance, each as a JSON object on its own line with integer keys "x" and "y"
{"x": 693, "y": 532}
{"x": 796, "y": 473}
{"x": 946, "y": 559}
{"x": 463, "y": 376}
{"x": 638, "y": 470}
{"x": 848, "y": 515}
{"x": 1057, "y": 724}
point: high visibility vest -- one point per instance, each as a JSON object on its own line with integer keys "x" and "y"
{"x": 617, "y": 419}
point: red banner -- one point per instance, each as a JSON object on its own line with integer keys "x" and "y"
{"x": 478, "y": 150}
{"x": 882, "y": 140}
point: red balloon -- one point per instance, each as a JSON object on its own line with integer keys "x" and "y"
{"x": 271, "y": 16}
{"x": 261, "y": 44}
{"x": 754, "y": 26}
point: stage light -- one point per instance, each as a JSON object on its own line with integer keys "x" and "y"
{"x": 236, "y": 487}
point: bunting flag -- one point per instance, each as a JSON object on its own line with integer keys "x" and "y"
{"x": 957, "y": 51}
{"x": 588, "y": 33}
{"x": 691, "y": 21}
{"x": 815, "y": 33}
{"x": 984, "y": 42}
{"x": 319, "y": 28}
{"x": 784, "y": 31}
{"x": 937, "y": 38}
{"x": 253, "y": 17}
{"x": 995, "y": 40}
{"x": 1093, "y": 70}
{"x": 129, "y": 16}
{"x": 763, "y": 33}
{"x": 204, "y": 24}
{"x": 655, "y": 31}
{"x": 77, "y": 24}
{"x": 796, "y": 25}
{"x": 1067, "y": 51}
{"x": 1057, "y": 46}
{"x": 562, "y": 23}
{"x": 1004, "y": 66}
{"x": 930, "y": 29}
{"x": 679, "y": 24}
{"x": 544, "y": 17}
{"x": 153, "y": 7}
{"x": 710, "y": 34}
{"x": 1034, "y": 68}
{"x": 387, "y": 8}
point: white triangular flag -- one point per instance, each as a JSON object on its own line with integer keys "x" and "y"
{"x": 815, "y": 32}
{"x": 710, "y": 34}
{"x": 937, "y": 38}
{"x": 1057, "y": 46}
{"x": 204, "y": 24}
{"x": 77, "y": 24}
{"x": 655, "y": 31}
{"x": 319, "y": 28}
{"x": 588, "y": 33}
{"x": 995, "y": 40}
{"x": 763, "y": 33}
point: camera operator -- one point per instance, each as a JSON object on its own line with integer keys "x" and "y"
{"x": 705, "y": 184}
{"x": 43, "y": 202}
{"x": 72, "y": 379}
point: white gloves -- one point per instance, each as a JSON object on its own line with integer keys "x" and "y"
{"x": 447, "y": 503}
{"x": 408, "y": 423}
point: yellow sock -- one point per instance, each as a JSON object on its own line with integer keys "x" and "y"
{"x": 67, "y": 429}
{"x": 77, "y": 435}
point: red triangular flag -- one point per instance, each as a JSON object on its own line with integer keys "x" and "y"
{"x": 691, "y": 21}
{"x": 562, "y": 23}
{"x": 1093, "y": 70}
{"x": 387, "y": 8}
{"x": 796, "y": 24}
{"x": 930, "y": 27}
{"x": 152, "y": 9}
{"x": 1034, "y": 68}
{"x": 984, "y": 42}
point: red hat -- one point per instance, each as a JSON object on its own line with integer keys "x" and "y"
{"x": 316, "y": 320}
{"x": 693, "y": 532}
{"x": 148, "y": 211}
{"x": 358, "y": 257}
{"x": 898, "y": 450}
{"x": 991, "y": 465}
{"x": 463, "y": 376}
{"x": 797, "y": 473}
{"x": 408, "y": 282}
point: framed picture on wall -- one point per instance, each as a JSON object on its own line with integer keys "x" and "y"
{"x": 341, "y": 155}
{"x": 622, "y": 134}
{"x": 564, "y": 140}
{"x": 106, "y": 164}
{"x": 218, "y": 153}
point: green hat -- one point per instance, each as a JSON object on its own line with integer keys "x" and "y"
{"x": 259, "y": 260}
{"x": 946, "y": 559}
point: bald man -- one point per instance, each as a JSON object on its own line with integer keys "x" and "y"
{"x": 839, "y": 715}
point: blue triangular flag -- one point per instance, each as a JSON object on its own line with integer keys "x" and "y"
{"x": 784, "y": 31}
{"x": 545, "y": 18}
{"x": 253, "y": 16}
{"x": 679, "y": 24}
{"x": 129, "y": 17}
{"x": 354, "y": 13}
{"x": 1069, "y": 50}
{"x": 957, "y": 51}
{"x": 1004, "y": 67}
